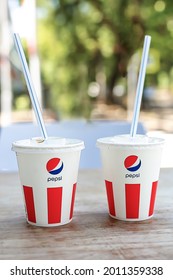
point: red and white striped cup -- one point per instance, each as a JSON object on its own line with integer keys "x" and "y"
{"x": 48, "y": 172}
{"x": 131, "y": 171}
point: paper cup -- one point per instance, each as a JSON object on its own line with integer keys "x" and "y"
{"x": 48, "y": 172}
{"x": 131, "y": 172}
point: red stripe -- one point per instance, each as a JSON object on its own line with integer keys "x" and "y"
{"x": 110, "y": 197}
{"x": 153, "y": 196}
{"x": 132, "y": 200}
{"x": 29, "y": 202}
{"x": 72, "y": 200}
{"x": 54, "y": 201}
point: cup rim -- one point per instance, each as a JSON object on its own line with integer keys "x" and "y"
{"x": 65, "y": 144}
{"x": 111, "y": 141}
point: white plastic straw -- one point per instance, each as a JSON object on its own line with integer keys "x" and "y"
{"x": 140, "y": 85}
{"x": 32, "y": 93}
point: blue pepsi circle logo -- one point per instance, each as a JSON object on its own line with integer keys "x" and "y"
{"x": 132, "y": 163}
{"x": 54, "y": 166}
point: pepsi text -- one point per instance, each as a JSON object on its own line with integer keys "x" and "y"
{"x": 54, "y": 179}
{"x": 133, "y": 175}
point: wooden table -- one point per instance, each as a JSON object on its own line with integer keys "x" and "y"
{"x": 92, "y": 234}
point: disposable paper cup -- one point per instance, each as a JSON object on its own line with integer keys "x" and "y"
{"x": 131, "y": 172}
{"x": 48, "y": 172}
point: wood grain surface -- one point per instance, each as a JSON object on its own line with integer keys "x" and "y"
{"x": 92, "y": 234}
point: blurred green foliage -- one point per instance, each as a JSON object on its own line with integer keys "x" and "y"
{"x": 79, "y": 39}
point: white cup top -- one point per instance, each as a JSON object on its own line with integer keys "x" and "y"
{"x": 127, "y": 140}
{"x": 38, "y": 144}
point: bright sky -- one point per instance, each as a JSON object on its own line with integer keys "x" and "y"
{"x": 23, "y": 17}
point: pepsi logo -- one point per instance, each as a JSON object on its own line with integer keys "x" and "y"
{"x": 54, "y": 166}
{"x": 132, "y": 163}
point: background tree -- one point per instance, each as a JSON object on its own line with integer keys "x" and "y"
{"x": 78, "y": 39}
